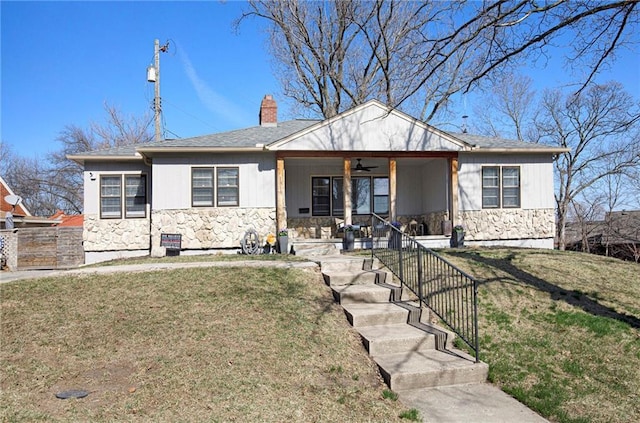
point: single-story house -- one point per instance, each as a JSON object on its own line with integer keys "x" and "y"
{"x": 304, "y": 175}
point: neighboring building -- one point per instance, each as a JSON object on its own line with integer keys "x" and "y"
{"x": 211, "y": 189}
{"x": 618, "y": 235}
{"x": 22, "y": 218}
{"x": 61, "y": 219}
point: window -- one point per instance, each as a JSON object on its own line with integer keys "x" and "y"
{"x": 135, "y": 196}
{"x": 363, "y": 198}
{"x": 226, "y": 185}
{"x": 228, "y": 192}
{"x": 500, "y": 187}
{"x": 381, "y": 195}
{"x": 320, "y": 200}
{"x": 201, "y": 187}
{"x": 111, "y": 196}
{"x": 510, "y": 187}
{"x": 361, "y": 195}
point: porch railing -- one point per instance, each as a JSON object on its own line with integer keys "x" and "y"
{"x": 439, "y": 285}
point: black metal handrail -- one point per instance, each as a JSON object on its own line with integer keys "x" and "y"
{"x": 439, "y": 285}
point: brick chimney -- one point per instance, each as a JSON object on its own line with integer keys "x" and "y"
{"x": 268, "y": 111}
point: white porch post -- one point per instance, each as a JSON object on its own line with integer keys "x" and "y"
{"x": 281, "y": 206}
{"x": 392, "y": 189}
{"x": 453, "y": 193}
{"x": 346, "y": 190}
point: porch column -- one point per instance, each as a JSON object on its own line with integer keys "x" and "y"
{"x": 346, "y": 190}
{"x": 453, "y": 191}
{"x": 392, "y": 189}
{"x": 281, "y": 206}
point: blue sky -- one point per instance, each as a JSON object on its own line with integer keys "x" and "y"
{"x": 61, "y": 61}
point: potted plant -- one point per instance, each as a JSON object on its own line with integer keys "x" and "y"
{"x": 349, "y": 237}
{"x": 283, "y": 241}
{"x": 395, "y": 236}
{"x": 269, "y": 247}
{"x": 457, "y": 237}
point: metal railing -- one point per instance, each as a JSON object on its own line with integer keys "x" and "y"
{"x": 439, "y": 285}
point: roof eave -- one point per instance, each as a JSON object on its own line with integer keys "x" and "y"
{"x": 147, "y": 151}
{"x": 80, "y": 159}
{"x": 550, "y": 150}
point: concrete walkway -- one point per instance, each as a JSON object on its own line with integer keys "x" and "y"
{"x": 472, "y": 403}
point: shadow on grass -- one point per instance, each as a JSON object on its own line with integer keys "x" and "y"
{"x": 572, "y": 297}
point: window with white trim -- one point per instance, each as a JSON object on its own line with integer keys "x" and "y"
{"x": 135, "y": 204}
{"x": 116, "y": 195}
{"x": 202, "y": 187}
{"x": 500, "y": 187}
{"x": 228, "y": 186}
{"x": 215, "y": 186}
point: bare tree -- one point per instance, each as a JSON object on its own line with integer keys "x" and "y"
{"x": 595, "y": 125}
{"x": 334, "y": 55}
{"x": 56, "y": 183}
{"x": 508, "y": 109}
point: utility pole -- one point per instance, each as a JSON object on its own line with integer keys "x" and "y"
{"x": 156, "y": 90}
{"x": 153, "y": 75}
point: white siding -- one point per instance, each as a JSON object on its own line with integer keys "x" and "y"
{"x": 536, "y": 178}
{"x": 298, "y": 174}
{"x": 172, "y": 178}
{"x": 372, "y": 128}
{"x": 421, "y": 183}
{"x": 435, "y": 186}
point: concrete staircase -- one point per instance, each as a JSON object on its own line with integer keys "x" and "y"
{"x": 411, "y": 353}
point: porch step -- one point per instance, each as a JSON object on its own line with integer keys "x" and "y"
{"x": 315, "y": 249}
{"x": 410, "y": 352}
{"x": 344, "y": 263}
{"x": 361, "y": 277}
{"x": 430, "y": 368}
{"x": 349, "y": 294}
{"x": 395, "y": 338}
{"x": 362, "y": 314}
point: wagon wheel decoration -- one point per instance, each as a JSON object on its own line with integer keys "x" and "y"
{"x": 251, "y": 242}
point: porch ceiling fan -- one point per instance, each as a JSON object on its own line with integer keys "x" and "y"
{"x": 360, "y": 168}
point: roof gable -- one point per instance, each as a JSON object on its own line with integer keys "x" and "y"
{"x": 5, "y": 190}
{"x": 371, "y": 126}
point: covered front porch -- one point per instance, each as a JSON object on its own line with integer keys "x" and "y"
{"x": 320, "y": 194}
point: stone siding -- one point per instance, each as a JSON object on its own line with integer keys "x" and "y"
{"x": 115, "y": 234}
{"x": 211, "y": 228}
{"x": 312, "y": 227}
{"x": 503, "y": 224}
{"x": 9, "y": 249}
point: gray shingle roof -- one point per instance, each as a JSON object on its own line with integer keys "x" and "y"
{"x": 247, "y": 137}
{"x": 496, "y": 142}
{"x": 125, "y": 150}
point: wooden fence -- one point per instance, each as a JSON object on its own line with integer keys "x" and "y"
{"x": 42, "y": 248}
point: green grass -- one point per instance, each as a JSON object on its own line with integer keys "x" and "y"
{"x": 560, "y": 330}
{"x": 204, "y": 344}
{"x": 200, "y": 258}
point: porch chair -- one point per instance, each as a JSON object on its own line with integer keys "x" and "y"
{"x": 340, "y": 227}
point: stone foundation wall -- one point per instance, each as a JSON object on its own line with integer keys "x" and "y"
{"x": 503, "y": 224}
{"x": 115, "y": 234}
{"x": 325, "y": 227}
{"x": 204, "y": 228}
{"x": 312, "y": 227}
